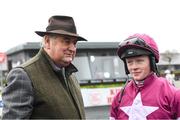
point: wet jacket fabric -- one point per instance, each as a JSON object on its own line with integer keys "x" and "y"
{"x": 55, "y": 93}
{"x": 156, "y": 99}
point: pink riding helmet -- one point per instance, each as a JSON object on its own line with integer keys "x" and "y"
{"x": 140, "y": 41}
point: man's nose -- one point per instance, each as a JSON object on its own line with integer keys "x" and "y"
{"x": 72, "y": 47}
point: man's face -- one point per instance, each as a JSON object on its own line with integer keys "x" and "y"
{"x": 139, "y": 67}
{"x": 61, "y": 49}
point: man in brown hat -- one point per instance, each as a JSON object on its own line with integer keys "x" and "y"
{"x": 45, "y": 86}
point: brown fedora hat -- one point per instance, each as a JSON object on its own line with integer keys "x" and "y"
{"x": 63, "y": 25}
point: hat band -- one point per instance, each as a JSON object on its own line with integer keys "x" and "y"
{"x": 67, "y": 28}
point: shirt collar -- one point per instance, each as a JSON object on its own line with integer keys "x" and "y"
{"x": 146, "y": 81}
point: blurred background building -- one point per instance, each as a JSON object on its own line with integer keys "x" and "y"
{"x": 98, "y": 64}
{"x": 96, "y": 61}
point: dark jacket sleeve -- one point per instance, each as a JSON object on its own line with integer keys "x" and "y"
{"x": 17, "y": 96}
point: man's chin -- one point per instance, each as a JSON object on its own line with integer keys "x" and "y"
{"x": 137, "y": 78}
{"x": 66, "y": 63}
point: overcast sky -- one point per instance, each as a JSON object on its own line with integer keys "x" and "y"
{"x": 96, "y": 20}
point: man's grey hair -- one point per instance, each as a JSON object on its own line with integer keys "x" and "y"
{"x": 42, "y": 44}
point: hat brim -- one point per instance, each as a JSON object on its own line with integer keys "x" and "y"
{"x": 124, "y": 48}
{"x": 134, "y": 52}
{"x": 60, "y": 32}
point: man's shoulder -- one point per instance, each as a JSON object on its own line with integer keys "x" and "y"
{"x": 29, "y": 62}
{"x": 16, "y": 70}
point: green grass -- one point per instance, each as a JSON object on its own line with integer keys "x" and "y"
{"x": 102, "y": 85}
{"x": 177, "y": 84}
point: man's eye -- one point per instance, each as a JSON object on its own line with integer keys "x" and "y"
{"x": 140, "y": 60}
{"x": 67, "y": 39}
{"x": 75, "y": 42}
{"x": 129, "y": 62}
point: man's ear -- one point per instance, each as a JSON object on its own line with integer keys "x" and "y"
{"x": 46, "y": 42}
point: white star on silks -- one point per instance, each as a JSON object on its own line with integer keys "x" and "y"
{"x": 137, "y": 111}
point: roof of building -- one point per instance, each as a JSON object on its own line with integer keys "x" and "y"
{"x": 80, "y": 45}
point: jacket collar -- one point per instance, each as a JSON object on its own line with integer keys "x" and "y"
{"x": 148, "y": 80}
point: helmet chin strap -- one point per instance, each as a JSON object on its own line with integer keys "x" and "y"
{"x": 154, "y": 67}
{"x": 122, "y": 90}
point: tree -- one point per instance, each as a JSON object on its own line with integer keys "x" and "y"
{"x": 168, "y": 56}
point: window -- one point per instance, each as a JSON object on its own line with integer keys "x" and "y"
{"x": 106, "y": 67}
{"x": 99, "y": 65}
{"x": 82, "y": 64}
